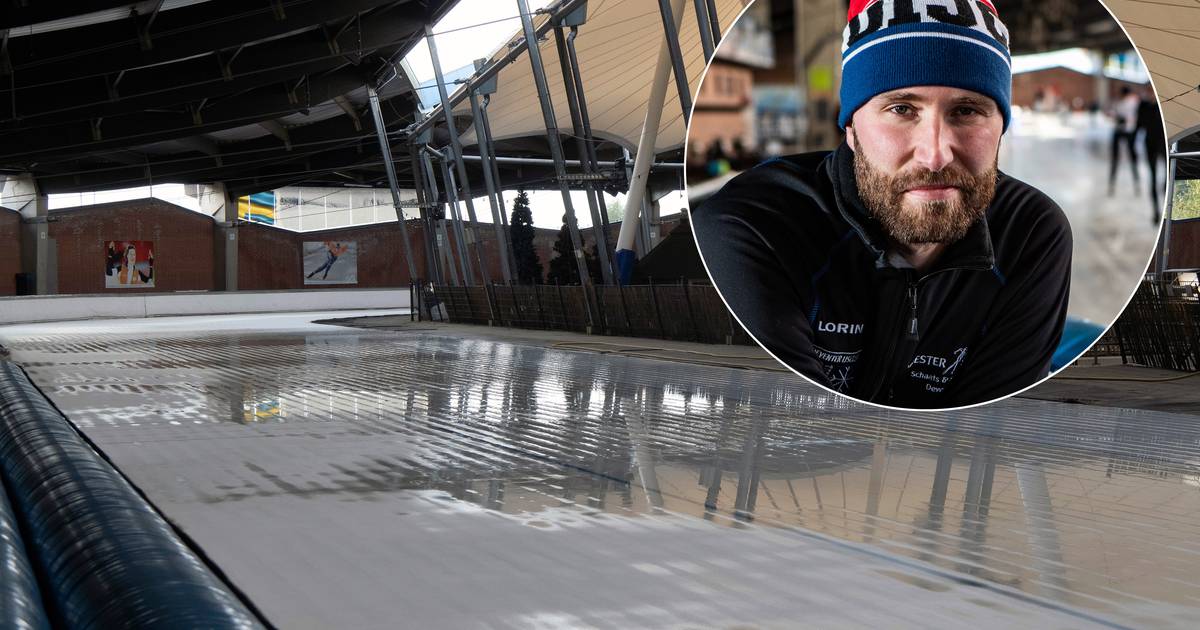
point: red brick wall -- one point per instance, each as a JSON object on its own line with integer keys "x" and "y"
{"x": 10, "y": 250}
{"x": 1070, "y": 85}
{"x": 183, "y": 247}
{"x": 270, "y": 257}
{"x": 1185, "y": 245}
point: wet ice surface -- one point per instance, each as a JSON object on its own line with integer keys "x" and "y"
{"x": 378, "y": 479}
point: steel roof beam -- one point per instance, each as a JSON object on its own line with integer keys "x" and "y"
{"x": 332, "y": 137}
{"x": 201, "y": 76}
{"x": 270, "y": 102}
{"x": 179, "y": 34}
{"x": 19, "y": 14}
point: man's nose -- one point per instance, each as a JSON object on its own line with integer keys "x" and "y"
{"x": 933, "y": 144}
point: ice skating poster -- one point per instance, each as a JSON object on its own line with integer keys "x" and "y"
{"x": 129, "y": 264}
{"x": 330, "y": 262}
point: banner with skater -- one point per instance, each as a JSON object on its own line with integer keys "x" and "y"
{"x": 330, "y": 262}
{"x": 129, "y": 264}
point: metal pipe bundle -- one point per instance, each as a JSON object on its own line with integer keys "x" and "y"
{"x": 107, "y": 558}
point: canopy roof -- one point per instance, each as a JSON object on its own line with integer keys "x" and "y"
{"x": 1168, "y": 36}
{"x": 617, "y": 49}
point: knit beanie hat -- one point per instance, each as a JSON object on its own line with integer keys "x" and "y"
{"x": 893, "y": 44}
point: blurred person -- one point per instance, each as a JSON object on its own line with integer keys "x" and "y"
{"x": 716, "y": 161}
{"x": 743, "y": 158}
{"x": 902, "y": 267}
{"x": 1125, "y": 114}
{"x": 1154, "y": 143}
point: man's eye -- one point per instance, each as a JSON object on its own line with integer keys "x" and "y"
{"x": 967, "y": 111}
{"x": 903, "y": 110}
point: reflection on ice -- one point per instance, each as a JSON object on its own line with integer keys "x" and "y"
{"x": 1089, "y": 508}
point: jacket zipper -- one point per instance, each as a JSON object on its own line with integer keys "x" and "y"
{"x": 913, "y": 332}
{"x": 889, "y": 371}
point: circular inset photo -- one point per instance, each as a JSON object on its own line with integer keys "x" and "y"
{"x": 926, "y": 204}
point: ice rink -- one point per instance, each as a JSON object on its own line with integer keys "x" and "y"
{"x": 370, "y": 479}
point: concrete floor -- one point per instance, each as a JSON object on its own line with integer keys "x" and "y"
{"x": 430, "y": 477}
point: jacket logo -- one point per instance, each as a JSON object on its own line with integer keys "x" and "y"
{"x": 838, "y": 366}
{"x": 959, "y": 355}
{"x": 940, "y": 362}
{"x": 935, "y": 382}
{"x": 844, "y": 329}
{"x": 927, "y": 359}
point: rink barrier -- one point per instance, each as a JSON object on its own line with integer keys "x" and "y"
{"x": 1160, "y": 328}
{"x": 104, "y": 556}
{"x": 49, "y": 308}
{"x": 20, "y": 599}
{"x": 680, "y": 312}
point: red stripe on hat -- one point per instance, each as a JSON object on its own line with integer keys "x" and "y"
{"x": 858, "y": 6}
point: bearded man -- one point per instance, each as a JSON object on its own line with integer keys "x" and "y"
{"x": 902, "y": 268}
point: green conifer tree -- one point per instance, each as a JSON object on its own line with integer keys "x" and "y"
{"x": 562, "y": 266}
{"x": 520, "y": 234}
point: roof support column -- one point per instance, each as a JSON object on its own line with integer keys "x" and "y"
{"x": 714, "y": 23}
{"x": 460, "y": 233}
{"x": 385, "y": 150}
{"x": 456, "y": 153}
{"x": 645, "y": 155}
{"x": 440, "y": 221}
{"x": 37, "y": 248}
{"x": 556, "y": 152}
{"x": 1165, "y": 247}
{"x": 589, "y": 139}
{"x": 672, "y": 17}
{"x": 228, "y": 232}
{"x": 653, "y": 221}
{"x": 432, "y": 267}
{"x": 702, "y": 21}
{"x": 485, "y": 153}
{"x": 491, "y": 163}
{"x": 574, "y": 90}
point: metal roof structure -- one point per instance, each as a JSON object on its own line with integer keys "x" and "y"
{"x": 108, "y": 95}
{"x": 114, "y": 94}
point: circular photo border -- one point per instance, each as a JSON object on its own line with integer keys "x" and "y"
{"x": 1052, "y": 372}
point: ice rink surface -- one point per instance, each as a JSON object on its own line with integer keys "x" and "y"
{"x": 370, "y": 479}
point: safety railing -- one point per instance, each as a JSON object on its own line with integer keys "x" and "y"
{"x": 1160, "y": 328}
{"x": 680, "y": 312}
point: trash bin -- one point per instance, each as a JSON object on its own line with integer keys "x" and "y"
{"x": 26, "y": 284}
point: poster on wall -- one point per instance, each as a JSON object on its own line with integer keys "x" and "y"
{"x": 330, "y": 262}
{"x": 259, "y": 207}
{"x": 130, "y": 264}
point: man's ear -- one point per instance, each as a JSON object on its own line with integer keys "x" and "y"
{"x": 850, "y": 139}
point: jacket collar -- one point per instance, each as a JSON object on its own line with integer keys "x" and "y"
{"x": 972, "y": 251}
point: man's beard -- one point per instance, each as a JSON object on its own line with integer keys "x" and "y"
{"x": 935, "y": 221}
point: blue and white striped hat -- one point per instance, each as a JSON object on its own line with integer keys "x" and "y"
{"x": 893, "y": 44}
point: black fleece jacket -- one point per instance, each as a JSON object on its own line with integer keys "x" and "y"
{"x": 807, "y": 271}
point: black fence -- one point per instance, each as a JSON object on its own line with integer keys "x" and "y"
{"x": 666, "y": 311}
{"x": 1160, "y": 328}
